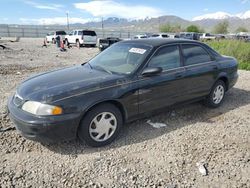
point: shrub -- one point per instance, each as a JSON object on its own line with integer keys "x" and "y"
{"x": 238, "y": 49}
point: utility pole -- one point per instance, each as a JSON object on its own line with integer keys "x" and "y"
{"x": 67, "y": 13}
{"x": 102, "y": 28}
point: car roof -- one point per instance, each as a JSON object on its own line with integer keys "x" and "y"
{"x": 155, "y": 42}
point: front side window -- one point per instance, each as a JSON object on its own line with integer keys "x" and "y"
{"x": 194, "y": 54}
{"x": 166, "y": 58}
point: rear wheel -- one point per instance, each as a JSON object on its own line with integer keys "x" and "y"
{"x": 101, "y": 125}
{"x": 216, "y": 96}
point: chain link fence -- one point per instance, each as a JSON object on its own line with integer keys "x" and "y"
{"x": 41, "y": 31}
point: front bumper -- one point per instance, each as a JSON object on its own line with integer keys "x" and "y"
{"x": 44, "y": 129}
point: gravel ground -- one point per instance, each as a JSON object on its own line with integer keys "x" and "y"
{"x": 142, "y": 156}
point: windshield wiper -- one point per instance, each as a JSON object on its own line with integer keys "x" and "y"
{"x": 102, "y": 68}
{"x": 88, "y": 64}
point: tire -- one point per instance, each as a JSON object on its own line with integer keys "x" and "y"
{"x": 105, "y": 113}
{"x": 217, "y": 94}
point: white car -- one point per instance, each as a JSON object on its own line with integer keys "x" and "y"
{"x": 207, "y": 36}
{"x": 81, "y": 38}
{"x": 51, "y": 37}
{"x": 160, "y": 35}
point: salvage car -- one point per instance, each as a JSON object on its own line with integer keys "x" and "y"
{"x": 107, "y": 42}
{"x": 127, "y": 81}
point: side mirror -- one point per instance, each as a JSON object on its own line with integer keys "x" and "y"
{"x": 151, "y": 71}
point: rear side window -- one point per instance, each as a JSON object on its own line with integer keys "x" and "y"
{"x": 166, "y": 57}
{"x": 89, "y": 33}
{"x": 60, "y": 33}
{"x": 164, "y": 36}
{"x": 194, "y": 54}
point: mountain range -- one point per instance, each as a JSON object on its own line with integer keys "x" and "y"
{"x": 207, "y": 22}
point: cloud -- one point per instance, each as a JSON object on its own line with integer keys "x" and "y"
{"x": 244, "y": 1}
{"x": 108, "y": 8}
{"x": 57, "y": 20}
{"x": 49, "y": 6}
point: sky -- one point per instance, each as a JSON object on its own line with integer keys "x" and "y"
{"x": 81, "y": 11}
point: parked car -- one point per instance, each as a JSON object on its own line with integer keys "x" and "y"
{"x": 207, "y": 36}
{"x": 81, "y": 38}
{"x": 105, "y": 43}
{"x": 51, "y": 37}
{"x": 160, "y": 35}
{"x": 127, "y": 81}
{"x": 144, "y": 36}
{"x": 189, "y": 35}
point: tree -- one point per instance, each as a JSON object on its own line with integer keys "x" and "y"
{"x": 241, "y": 29}
{"x": 221, "y": 28}
{"x": 193, "y": 28}
{"x": 167, "y": 28}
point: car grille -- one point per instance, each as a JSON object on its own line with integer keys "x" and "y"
{"x": 17, "y": 100}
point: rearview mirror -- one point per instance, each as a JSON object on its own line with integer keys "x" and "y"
{"x": 151, "y": 71}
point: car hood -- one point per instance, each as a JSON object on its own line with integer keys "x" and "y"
{"x": 63, "y": 83}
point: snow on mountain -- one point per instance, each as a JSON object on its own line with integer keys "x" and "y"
{"x": 222, "y": 15}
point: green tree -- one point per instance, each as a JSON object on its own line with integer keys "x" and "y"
{"x": 168, "y": 28}
{"x": 241, "y": 29}
{"x": 221, "y": 28}
{"x": 193, "y": 28}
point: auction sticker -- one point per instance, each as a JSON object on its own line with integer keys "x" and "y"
{"x": 137, "y": 50}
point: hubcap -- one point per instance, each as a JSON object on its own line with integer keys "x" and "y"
{"x": 103, "y": 126}
{"x": 218, "y": 94}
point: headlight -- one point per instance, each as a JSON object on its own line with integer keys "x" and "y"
{"x": 40, "y": 109}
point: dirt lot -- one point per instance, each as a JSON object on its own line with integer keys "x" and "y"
{"x": 142, "y": 156}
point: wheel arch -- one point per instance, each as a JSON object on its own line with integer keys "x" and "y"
{"x": 116, "y": 103}
{"x": 224, "y": 78}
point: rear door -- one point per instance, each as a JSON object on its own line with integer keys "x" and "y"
{"x": 167, "y": 88}
{"x": 201, "y": 70}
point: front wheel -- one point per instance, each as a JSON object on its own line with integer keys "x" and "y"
{"x": 216, "y": 96}
{"x": 101, "y": 125}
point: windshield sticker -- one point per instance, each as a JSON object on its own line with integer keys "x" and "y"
{"x": 137, "y": 50}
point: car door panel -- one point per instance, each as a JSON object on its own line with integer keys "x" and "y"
{"x": 200, "y": 79}
{"x": 162, "y": 90}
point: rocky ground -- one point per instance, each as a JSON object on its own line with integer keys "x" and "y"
{"x": 142, "y": 156}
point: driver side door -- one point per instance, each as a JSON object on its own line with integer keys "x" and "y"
{"x": 166, "y": 88}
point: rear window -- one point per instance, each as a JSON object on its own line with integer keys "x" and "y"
{"x": 60, "y": 33}
{"x": 89, "y": 33}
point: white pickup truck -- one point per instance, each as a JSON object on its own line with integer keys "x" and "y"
{"x": 51, "y": 37}
{"x": 81, "y": 38}
{"x": 207, "y": 36}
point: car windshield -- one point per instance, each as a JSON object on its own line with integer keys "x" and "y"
{"x": 121, "y": 58}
